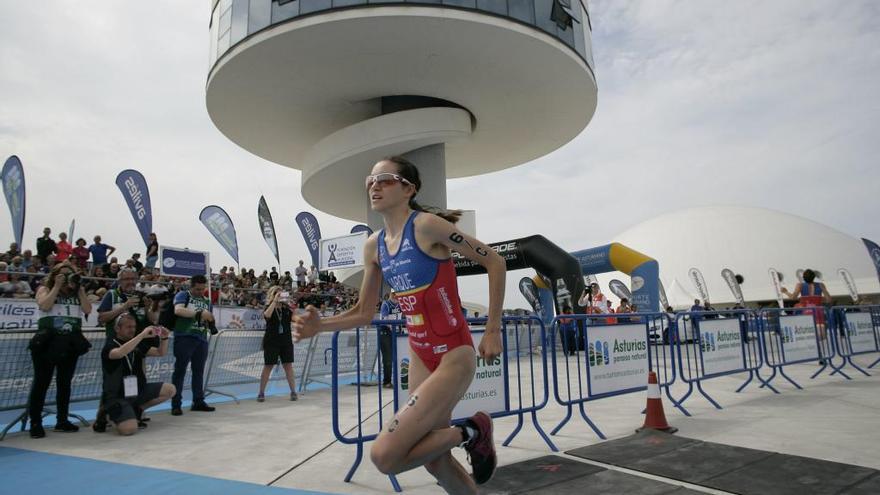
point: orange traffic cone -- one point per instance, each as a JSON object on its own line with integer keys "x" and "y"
{"x": 655, "y": 419}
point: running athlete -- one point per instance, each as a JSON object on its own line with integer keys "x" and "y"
{"x": 413, "y": 255}
{"x": 811, "y": 294}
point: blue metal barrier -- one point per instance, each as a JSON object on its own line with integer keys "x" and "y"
{"x": 524, "y": 373}
{"x": 796, "y": 335}
{"x": 711, "y": 344}
{"x": 596, "y": 367}
{"x": 858, "y": 332}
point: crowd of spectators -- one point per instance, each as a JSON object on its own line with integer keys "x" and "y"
{"x": 22, "y": 273}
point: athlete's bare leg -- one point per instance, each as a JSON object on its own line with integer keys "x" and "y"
{"x": 420, "y": 435}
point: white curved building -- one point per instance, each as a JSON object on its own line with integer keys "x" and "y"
{"x": 749, "y": 241}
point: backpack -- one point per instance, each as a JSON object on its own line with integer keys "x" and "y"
{"x": 167, "y": 318}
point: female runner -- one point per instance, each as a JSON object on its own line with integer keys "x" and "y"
{"x": 413, "y": 255}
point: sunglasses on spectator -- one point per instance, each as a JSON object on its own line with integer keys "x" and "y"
{"x": 385, "y": 179}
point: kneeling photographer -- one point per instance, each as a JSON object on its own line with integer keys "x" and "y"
{"x": 58, "y": 343}
{"x": 126, "y": 391}
{"x": 143, "y": 306}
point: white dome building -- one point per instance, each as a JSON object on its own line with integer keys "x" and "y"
{"x": 748, "y": 241}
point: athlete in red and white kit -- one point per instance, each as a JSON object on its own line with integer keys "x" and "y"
{"x": 413, "y": 254}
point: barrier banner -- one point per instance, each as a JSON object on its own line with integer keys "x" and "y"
{"x": 218, "y": 223}
{"x": 776, "y": 280}
{"x": 362, "y": 228}
{"x": 699, "y": 282}
{"x": 860, "y": 329}
{"x": 617, "y": 358}
{"x": 733, "y": 284}
{"x": 16, "y": 314}
{"x": 239, "y": 318}
{"x": 137, "y": 196}
{"x": 486, "y": 392}
{"x": 311, "y": 233}
{"x": 798, "y": 338}
{"x": 850, "y": 284}
{"x": 721, "y": 346}
{"x": 874, "y": 252}
{"x": 345, "y": 251}
{"x": 267, "y": 227}
{"x": 12, "y": 177}
{"x": 620, "y": 289}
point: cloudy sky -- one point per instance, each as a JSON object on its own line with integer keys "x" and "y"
{"x": 769, "y": 104}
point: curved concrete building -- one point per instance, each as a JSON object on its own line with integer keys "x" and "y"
{"x": 461, "y": 87}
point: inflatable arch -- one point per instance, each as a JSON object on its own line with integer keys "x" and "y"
{"x": 548, "y": 259}
{"x": 644, "y": 271}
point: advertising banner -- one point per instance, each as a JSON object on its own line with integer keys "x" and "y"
{"x": 267, "y": 227}
{"x": 776, "y": 281}
{"x": 236, "y": 318}
{"x": 860, "y": 330}
{"x": 486, "y": 392}
{"x": 177, "y": 262}
{"x": 218, "y": 223}
{"x": 699, "y": 282}
{"x": 12, "y": 177}
{"x": 798, "y": 338}
{"x": 345, "y": 251}
{"x": 874, "y": 253}
{"x": 733, "y": 284}
{"x": 850, "y": 284}
{"x": 664, "y": 301}
{"x": 70, "y": 237}
{"x": 617, "y": 358}
{"x": 16, "y": 314}
{"x": 528, "y": 289}
{"x": 311, "y": 232}
{"x": 134, "y": 190}
{"x": 362, "y": 228}
{"x": 620, "y": 289}
{"x": 721, "y": 346}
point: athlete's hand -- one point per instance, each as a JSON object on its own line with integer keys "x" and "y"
{"x": 307, "y": 324}
{"x": 490, "y": 344}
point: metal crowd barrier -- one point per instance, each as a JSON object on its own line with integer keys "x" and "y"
{"x": 516, "y": 384}
{"x": 796, "y": 335}
{"x": 712, "y": 344}
{"x": 858, "y": 333}
{"x": 608, "y": 355}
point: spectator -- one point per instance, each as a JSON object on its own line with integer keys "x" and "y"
{"x": 16, "y": 265}
{"x": 136, "y": 262}
{"x": 15, "y": 287}
{"x": 51, "y": 261}
{"x": 33, "y": 280}
{"x": 193, "y": 312}
{"x": 126, "y": 393}
{"x": 38, "y": 265}
{"x": 152, "y": 251}
{"x": 58, "y": 343}
{"x": 13, "y": 251}
{"x": 45, "y": 245}
{"x": 27, "y": 258}
{"x": 277, "y": 341}
{"x": 567, "y": 333}
{"x": 389, "y": 310}
{"x": 100, "y": 252}
{"x": 113, "y": 270}
{"x": 313, "y": 275}
{"x": 300, "y": 273}
{"x": 286, "y": 280}
{"x": 94, "y": 284}
{"x": 63, "y": 248}
{"x": 273, "y": 276}
{"x": 81, "y": 254}
{"x": 4, "y": 277}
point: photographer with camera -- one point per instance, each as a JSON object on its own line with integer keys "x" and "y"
{"x": 126, "y": 393}
{"x": 58, "y": 343}
{"x": 277, "y": 341}
{"x": 142, "y": 305}
{"x": 193, "y": 322}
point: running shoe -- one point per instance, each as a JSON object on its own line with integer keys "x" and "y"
{"x": 481, "y": 452}
{"x": 37, "y": 431}
{"x": 66, "y": 427}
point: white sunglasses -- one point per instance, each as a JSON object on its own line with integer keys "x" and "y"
{"x": 385, "y": 179}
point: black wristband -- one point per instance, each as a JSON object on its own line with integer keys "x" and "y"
{"x": 198, "y": 315}
{"x": 163, "y": 338}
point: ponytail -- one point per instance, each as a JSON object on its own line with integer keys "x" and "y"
{"x": 408, "y": 171}
{"x": 451, "y": 216}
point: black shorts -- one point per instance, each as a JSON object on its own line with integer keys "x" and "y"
{"x": 272, "y": 353}
{"x": 123, "y": 409}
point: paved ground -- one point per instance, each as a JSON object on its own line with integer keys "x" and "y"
{"x": 291, "y": 444}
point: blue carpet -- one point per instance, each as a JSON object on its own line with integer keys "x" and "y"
{"x": 29, "y": 472}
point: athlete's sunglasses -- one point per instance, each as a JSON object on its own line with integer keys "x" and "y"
{"x": 385, "y": 179}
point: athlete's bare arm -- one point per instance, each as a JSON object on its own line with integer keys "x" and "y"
{"x": 444, "y": 235}
{"x": 310, "y": 323}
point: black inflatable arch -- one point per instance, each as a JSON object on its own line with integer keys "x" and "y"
{"x": 536, "y": 252}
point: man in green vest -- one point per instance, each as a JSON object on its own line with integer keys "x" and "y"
{"x": 193, "y": 311}
{"x": 123, "y": 299}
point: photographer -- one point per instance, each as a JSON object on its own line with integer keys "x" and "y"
{"x": 126, "y": 393}
{"x": 194, "y": 320}
{"x": 58, "y": 343}
{"x": 277, "y": 341}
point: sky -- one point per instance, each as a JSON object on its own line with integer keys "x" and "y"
{"x": 754, "y": 103}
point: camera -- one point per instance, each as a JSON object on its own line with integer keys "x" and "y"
{"x": 74, "y": 279}
{"x": 153, "y": 293}
{"x": 285, "y": 297}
